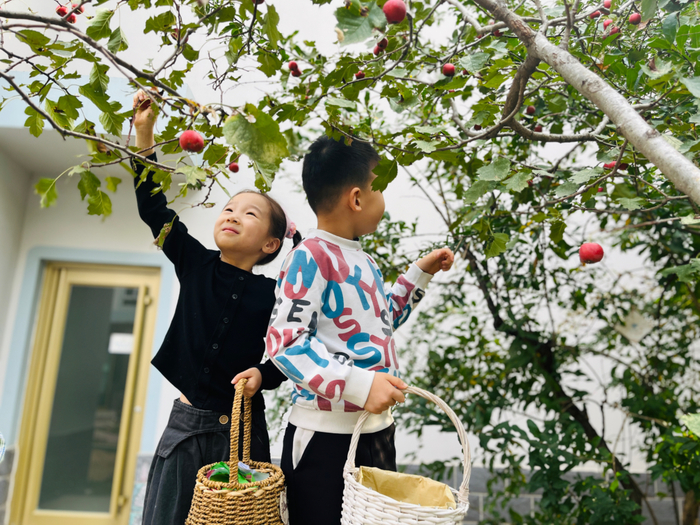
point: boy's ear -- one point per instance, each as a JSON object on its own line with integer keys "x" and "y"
{"x": 271, "y": 245}
{"x": 354, "y": 199}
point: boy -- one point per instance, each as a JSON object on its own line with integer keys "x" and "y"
{"x": 331, "y": 332}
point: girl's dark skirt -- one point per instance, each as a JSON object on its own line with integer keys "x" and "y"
{"x": 192, "y": 439}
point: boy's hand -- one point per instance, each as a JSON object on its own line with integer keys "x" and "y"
{"x": 437, "y": 260}
{"x": 384, "y": 393}
{"x": 254, "y": 381}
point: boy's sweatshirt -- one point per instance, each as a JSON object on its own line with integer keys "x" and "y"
{"x": 332, "y": 328}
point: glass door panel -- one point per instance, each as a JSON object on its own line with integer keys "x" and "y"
{"x": 81, "y": 451}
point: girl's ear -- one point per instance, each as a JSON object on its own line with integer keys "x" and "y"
{"x": 272, "y": 245}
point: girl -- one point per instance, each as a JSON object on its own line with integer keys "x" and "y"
{"x": 217, "y": 331}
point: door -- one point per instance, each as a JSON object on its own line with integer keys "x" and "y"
{"x": 82, "y": 417}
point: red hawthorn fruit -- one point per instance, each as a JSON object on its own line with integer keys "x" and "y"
{"x": 191, "y": 141}
{"x": 296, "y": 73}
{"x": 79, "y": 8}
{"x": 451, "y": 91}
{"x": 609, "y": 165}
{"x": 293, "y": 66}
{"x": 606, "y": 24}
{"x": 530, "y": 110}
{"x": 465, "y": 72}
{"x": 635, "y": 19}
{"x": 600, "y": 190}
{"x": 383, "y": 43}
{"x": 72, "y": 19}
{"x": 448, "y": 70}
{"x": 233, "y": 167}
{"x": 607, "y": 4}
{"x": 590, "y": 252}
{"x": 594, "y": 14}
{"x": 395, "y": 11}
{"x": 624, "y": 166}
{"x": 496, "y": 32}
{"x": 360, "y": 75}
{"x": 614, "y": 30}
{"x": 529, "y": 183}
{"x": 477, "y": 127}
{"x": 377, "y": 50}
{"x": 61, "y": 11}
{"x": 538, "y": 129}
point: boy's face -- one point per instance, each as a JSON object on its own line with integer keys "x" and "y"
{"x": 243, "y": 225}
{"x": 372, "y": 203}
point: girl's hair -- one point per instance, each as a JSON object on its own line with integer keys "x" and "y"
{"x": 278, "y": 225}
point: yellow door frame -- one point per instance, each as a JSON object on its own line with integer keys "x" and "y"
{"x": 44, "y": 362}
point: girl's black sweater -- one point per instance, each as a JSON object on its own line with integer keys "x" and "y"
{"x": 221, "y": 318}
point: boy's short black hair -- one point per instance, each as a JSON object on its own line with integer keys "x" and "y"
{"x": 331, "y": 166}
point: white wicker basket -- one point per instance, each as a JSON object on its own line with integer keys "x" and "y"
{"x": 364, "y": 506}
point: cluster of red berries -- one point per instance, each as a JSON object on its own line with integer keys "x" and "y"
{"x": 381, "y": 46}
{"x": 294, "y": 68}
{"x": 62, "y": 10}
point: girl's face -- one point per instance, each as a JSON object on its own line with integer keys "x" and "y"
{"x": 243, "y": 227}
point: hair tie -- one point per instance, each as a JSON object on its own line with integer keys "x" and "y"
{"x": 291, "y": 227}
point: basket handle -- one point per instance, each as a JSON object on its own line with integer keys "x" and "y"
{"x": 463, "y": 493}
{"x": 235, "y": 429}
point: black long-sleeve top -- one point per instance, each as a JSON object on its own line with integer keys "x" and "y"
{"x": 221, "y": 318}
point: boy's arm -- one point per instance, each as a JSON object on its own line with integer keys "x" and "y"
{"x": 291, "y": 341}
{"x": 409, "y": 288}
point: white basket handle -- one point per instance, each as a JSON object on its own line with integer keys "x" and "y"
{"x": 466, "y": 461}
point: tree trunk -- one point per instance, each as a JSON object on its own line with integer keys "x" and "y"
{"x": 690, "y": 509}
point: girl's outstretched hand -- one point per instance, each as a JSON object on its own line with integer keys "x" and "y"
{"x": 144, "y": 116}
{"x": 254, "y": 381}
{"x": 437, "y": 260}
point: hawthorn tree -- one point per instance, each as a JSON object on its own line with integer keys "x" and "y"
{"x": 620, "y": 99}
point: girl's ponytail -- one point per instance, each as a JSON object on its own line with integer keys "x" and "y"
{"x": 296, "y": 238}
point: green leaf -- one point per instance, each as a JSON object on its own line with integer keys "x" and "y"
{"x": 89, "y": 183}
{"x": 99, "y": 204}
{"x": 690, "y": 219}
{"x": 112, "y": 122}
{"x": 270, "y": 63}
{"x": 686, "y": 273}
{"x": 215, "y": 153}
{"x": 99, "y": 78}
{"x": 357, "y": 21}
{"x": 648, "y": 9}
{"x": 583, "y": 176}
{"x": 427, "y": 146}
{"x": 669, "y": 26}
{"x": 193, "y": 174}
{"x": 270, "y": 26}
{"x": 497, "y": 246}
{"x": 341, "y": 103}
{"x": 112, "y": 183}
{"x": 35, "y": 122}
{"x": 99, "y": 27}
{"x": 117, "y": 41}
{"x": 556, "y": 233}
{"x": 474, "y": 62}
{"x": 565, "y": 189}
{"x": 386, "y": 171}
{"x": 161, "y": 23}
{"x": 497, "y": 170}
{"x": 692, "y": 421}
{"x": 518, "y": 182}
{"x": 693, "y": 85}
{"x": 34, "y": 39}
{"x": 96, "y": 96}
{"x": 258, "y": 136}
{"x": 477, "y": 190}
{"x": 495, "y": 81}
{"x": 631, "y": 204}
{"x": 47, "y": 189}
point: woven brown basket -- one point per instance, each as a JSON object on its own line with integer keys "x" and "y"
{"x": 234, "y": 503}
